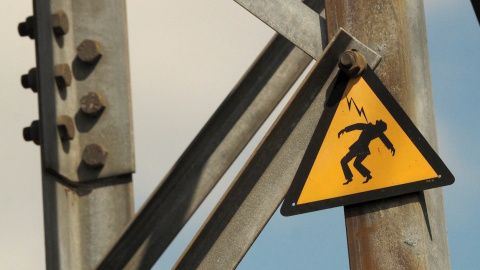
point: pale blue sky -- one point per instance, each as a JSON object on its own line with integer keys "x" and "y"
{"x": 185, "y": 58}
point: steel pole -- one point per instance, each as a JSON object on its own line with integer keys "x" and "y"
{"x": 404, "y": 232}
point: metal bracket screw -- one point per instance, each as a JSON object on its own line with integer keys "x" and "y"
{"x": 89, "y": 51}
{"x": 95, "y": 155}
{"x": 32, "y": 133}
{"x": 93, "y": 104}
{"x": 30, "y": 80}
{"x": 63, "y": 75}
{"x": 27, "y": 28}
{"x": 66, "y": 127}
{"x": 60, "y": 23}
{"x": 352, "y": 63}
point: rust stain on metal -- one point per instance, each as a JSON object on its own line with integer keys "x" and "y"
{"x": 386, "y": 234}
{"x": 385, "y": 21}
{"x": 352, "y": 63}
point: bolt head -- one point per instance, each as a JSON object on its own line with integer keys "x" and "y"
{"x": 347, "y": 60}
{"x": 30, "y": 80}
{"x": 89, "y": 51}
{"x": 352, "y": 63}
{"x": 66, "y": 127}
{"x": 95, "y": 155}
{"x": 63, "y": 75}
{"x": 27, "y": 28}
{"x": 60, "y": 23}
{"x": 25, "y": 81}
{"x": 32, "y": 133}
{"x": 93, "y": 104}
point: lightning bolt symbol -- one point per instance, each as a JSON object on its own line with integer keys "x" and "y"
{"x": 360, "y": 112}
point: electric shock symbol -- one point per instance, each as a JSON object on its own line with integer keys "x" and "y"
{"x": 359, "y": 149}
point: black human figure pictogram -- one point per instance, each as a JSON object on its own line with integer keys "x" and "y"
{"x": 359, "y": 149}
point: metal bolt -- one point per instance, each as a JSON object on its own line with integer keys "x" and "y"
{"x": 60, "y": 23}
{"x": 95, "y": 155}
{"x": 63, "y": 75}
{"x": 30, "y": 80}
{"x": 27, "y": 28}
{"x": 93, "y": 104}
{"x": 66, "y": 127}
{"x": 32, "y": 133}
{"x": 352, "y": 63}
{"x": 347, "y": 60}
{"x": 89, "y": 51}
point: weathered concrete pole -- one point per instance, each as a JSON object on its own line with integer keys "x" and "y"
{"x": 405, "y": 232}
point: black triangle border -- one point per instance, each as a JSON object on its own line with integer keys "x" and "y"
{"x": 289, "y": 207}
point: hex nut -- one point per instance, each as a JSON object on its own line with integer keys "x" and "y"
{"x": 60, "y": 23}
{"x": 32, "y": 133}
{"x": 66, "y": 127}
{"x": 89, "y": 51}
{"x": 63, "y": 75}
{"x": 29, "y": 80}
{"x": 95, "y": 155}
{"x": 27, "y": 28}
{"x": 93, "y": 104}
{"x": 352, "y": 63}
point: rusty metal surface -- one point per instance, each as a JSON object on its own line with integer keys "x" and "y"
{"x": 352, "y": 63}
{"x": 89, "y": 53}
{"x": 258, "y": 190}
{"x": 406, "y": 232}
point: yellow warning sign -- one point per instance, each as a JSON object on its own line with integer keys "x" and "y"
{"x": 365, "y": 147}
{"x": 356, "y": 149}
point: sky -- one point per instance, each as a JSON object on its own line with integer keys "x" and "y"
{"x": 185, "y": 57}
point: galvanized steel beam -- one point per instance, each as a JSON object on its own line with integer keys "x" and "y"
{"x": 209, "y": 155}
{"x": 86, "y": 146}
{"x": 263, "y": 182}
{"x": 293, "y": 20}
{"x": 404, "y": 232}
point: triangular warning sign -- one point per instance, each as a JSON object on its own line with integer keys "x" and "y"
{"x": 364, "y": 148}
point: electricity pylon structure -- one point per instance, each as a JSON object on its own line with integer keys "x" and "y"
{"x": 86, "y": 139}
